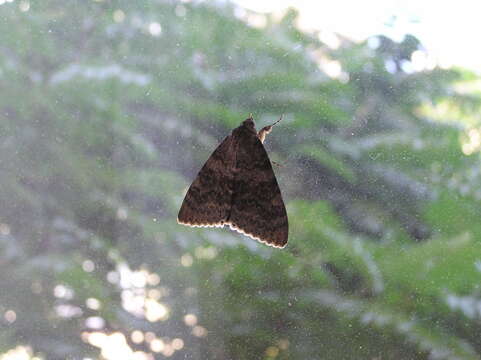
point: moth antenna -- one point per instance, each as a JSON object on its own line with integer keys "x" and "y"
{"x": 277, "y": 164}
{"x": 278, "y": 120}
{"x": 266, "y": 130}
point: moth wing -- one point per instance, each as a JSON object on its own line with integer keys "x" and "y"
{"x": 208, "y": 200}
{"x": 258, "y": 210}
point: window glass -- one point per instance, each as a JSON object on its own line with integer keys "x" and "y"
{"x": 109, "y": 109}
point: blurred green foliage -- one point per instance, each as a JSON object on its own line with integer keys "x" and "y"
{"x": 109, "y": 108}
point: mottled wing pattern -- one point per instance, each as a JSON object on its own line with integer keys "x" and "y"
{"x": 258, "y": 210}
{"x": 208, "y": 200}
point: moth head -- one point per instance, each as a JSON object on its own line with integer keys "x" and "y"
{"x": 249, "y": 123}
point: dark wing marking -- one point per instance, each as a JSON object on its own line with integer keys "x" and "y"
{"x": 208, "y": 200}
{"x": 258, "y": 210}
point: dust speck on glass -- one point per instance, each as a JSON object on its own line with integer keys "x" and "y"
{"x": 108, "y": 110}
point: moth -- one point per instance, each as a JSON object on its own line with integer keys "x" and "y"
{"x": 237, "y": 187}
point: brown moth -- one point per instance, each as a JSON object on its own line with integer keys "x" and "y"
{"x": 237, "y": 187}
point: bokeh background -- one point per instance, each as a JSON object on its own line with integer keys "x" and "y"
{"x": 108, "y": 109}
